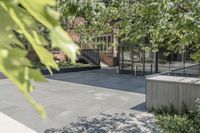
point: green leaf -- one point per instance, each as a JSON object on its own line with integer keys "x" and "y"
{"x": 61, "y": 40}
{"x": 23, "y": 17}
{"x": 45, "y": 57}
{"x": 15, "y": 65}
{"x": 6, "y": 27}
{"x": 42, "y": 12}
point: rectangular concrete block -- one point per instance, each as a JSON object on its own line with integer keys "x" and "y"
{"x": 170, "y": 90}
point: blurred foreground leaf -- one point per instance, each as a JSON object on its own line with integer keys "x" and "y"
{"x": 22, "y": 16}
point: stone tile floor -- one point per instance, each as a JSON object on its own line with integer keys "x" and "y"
{"x": 66, "y": 97}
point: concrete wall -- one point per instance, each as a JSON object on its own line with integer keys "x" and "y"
{"x": 170, "y": 90}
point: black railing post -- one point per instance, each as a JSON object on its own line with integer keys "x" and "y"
{"x": 183, "y": 60}
{"x": 119, "y": 57}
{"x": 99, "y": 57}
{"x": 199, "y": 68}
{"x": 156, "y": 62}
{"x": 122, "y": 58}
{"x": 151, "y": 69}
{"x": 144, "y": 62}
{"x": 92, "y": 55}
{"x": 132, "y": 60}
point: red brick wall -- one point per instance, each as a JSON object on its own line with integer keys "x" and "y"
{"x": 59, "y": 55}
{"x": 109, "y": 60}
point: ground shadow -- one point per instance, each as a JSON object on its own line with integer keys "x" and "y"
{"x": 2, "y": 76}
{"x": 106, "y": 78}
{"x": 140, "y": 107}
{"x": 117, "y": 123}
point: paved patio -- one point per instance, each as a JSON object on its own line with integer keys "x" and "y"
{"x": 69, "y": 96}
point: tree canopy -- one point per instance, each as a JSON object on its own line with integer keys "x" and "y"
{"x": 173, "y": 24}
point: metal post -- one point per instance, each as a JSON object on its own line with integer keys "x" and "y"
{"x": 122, "y": 58}
{"x": 170, "y": 57}
{"x": 199, "y": 68}
{"x": 119, "y": 52}
{"x": 151, "y": 69}
{"x": 156, "y": 62}
{"x": 144, "y": 62}
{"x": 132, "y": 59}
{"x": 99, "y": 58}
{"x": 135, "y": 70}
{"x": 183, "y": 60}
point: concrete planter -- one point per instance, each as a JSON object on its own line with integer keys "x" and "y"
{"x": 170, "y": 90}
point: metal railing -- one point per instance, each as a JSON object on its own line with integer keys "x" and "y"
{"x": 190, "y": 71}
{"x": 92, "y": 55}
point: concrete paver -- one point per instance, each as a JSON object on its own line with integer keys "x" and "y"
{"x": 71, "y": 95}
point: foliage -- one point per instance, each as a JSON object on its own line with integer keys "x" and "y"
{"x": 64, "y": 64}
{"x": 23, "y": 16}
{"x": 156, "y": 24}
{"x": 174, "y": 122}
{"x": 87, "y": 9}
{"x": 72, "y": 65}
{"x": 152, "y": 24}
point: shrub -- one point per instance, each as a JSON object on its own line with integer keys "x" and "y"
{"x": 172, "y": 121}
{"x": 64, "y": 64}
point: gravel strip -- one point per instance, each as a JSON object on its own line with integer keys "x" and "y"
{"x": 117, "y": 123}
